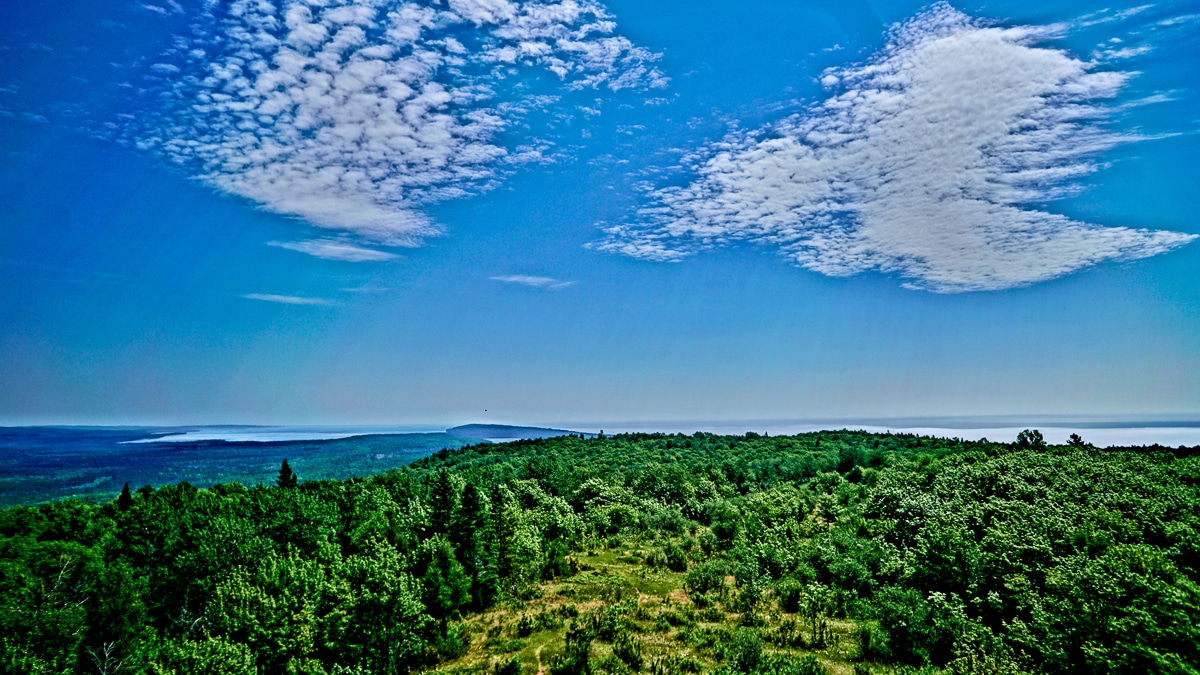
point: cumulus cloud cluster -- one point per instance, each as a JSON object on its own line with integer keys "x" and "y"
{"x": 930, "y": 161}
{"x": 352, "y": 114}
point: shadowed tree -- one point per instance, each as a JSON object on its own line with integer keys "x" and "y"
{"x": 287, "y": 478}
{"x": 1030, "y": 439}
{"x": 126, "y": 499}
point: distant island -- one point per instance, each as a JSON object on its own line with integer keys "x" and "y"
{"x": 508, "y": 432}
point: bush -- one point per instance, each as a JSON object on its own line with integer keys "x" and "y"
{"x": 745, "y": 652}
{"x": 453, "y": 644}
{"x": 783, "y": 665}
{"x": 790, "y": 594}
{"x": 574, "y": 660}
{"x": 675, "y": 559}
{"x": 705, "y": 578}
{"x": 871, "y": 641}
{"x": 629, "y": 650}
{"x": 509, "y": 667}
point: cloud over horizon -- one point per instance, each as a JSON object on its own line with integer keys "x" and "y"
{"x": 931, "y": 161}
{"x": 354, "y": 114}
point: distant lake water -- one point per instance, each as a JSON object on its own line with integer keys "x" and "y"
{"x": 272, "y": 434}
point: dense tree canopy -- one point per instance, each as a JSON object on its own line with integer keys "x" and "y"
{"x": 942, "y": 554}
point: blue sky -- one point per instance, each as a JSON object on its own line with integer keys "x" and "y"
{"x": 370, "y": 211}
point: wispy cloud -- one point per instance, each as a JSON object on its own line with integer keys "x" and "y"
{"x": 547, "y": 283}
{"x": 367, "y": 289}
{"x": 354, "y": 114}
{"x": 1115, "y": 51}
{"x": 1109, "y": 16}
{"x": 1180, "y": 20}
{"x": 286, "y": 299}
{"x": 929, "y": 161}
{"x": 333, "y": 249}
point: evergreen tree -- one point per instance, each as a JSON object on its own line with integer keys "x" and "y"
{"x": 470, "y": 519}
{"x": 443, "y": 502}
{"x": 445, "y": 588}
{"x": 287, "y": 479}
{"x": 126, "y": 499}
{"x": 471, "y": 537}
{"x": 502, "y": 531}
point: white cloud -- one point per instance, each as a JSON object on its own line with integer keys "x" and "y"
{"x": 354, "y": 114}
{"x": 1108, "y": 16}
{"x": 334, "y": 249}
{"x": 548, "y": 283}
{"x": 286, "y": 299}
{"x": 1116, "y": 53}
{"x": 930, "y": 161}
{"x": 1179, "y": 20}
{"x": 369, "y": 288}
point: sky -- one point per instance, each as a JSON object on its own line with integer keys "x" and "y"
{"x": 568, "y": 211}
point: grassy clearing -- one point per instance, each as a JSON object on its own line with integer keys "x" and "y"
{"x": 670, "y": 630}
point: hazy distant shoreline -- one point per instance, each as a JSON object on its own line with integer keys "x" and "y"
{"x": 1100, "y": 431}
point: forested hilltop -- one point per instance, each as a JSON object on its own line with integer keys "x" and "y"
{"x": 838, "y": 552}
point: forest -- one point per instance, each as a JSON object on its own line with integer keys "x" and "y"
{"x": 830, "y": 552}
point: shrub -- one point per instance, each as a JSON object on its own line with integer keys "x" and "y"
{"x": 629, "y": 650}
{"x": 453, "y": 644}
{"x": 790, "y": 594}
{"x": 705, "y": 578}
{"x": 745, "y": 652}
{"x": 675, "y": 559}
{"x": 509, "y": 667}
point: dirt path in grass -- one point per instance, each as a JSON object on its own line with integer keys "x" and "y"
{"x": 538, "y": 653}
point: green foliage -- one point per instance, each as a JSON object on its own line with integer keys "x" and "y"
{"x": 210, "y": 656}
{"x": 628, "y": 650}
{"x": 745, "y": 653}
{"x": 676, "y": 561}
{"x": 576, "y": 657}
{"x": 509, "y": 667}
{"x": 707, "y": 577}
{"x": 915, "y": 552}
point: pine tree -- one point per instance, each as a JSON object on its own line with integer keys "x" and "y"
{"x": 125, "y": 500}
{"x": 287, "y": 479}
{"x": 443, "y": 502}
{"x": 472, "y": 538}
{"x": 470, "y": 520}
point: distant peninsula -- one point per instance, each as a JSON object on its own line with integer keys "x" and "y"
{"x": 509, "y": 432}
